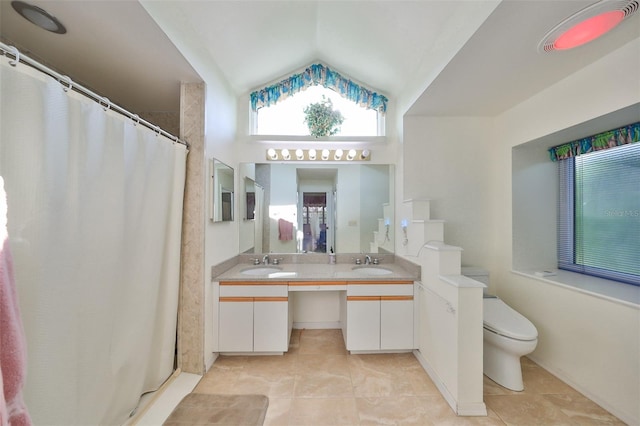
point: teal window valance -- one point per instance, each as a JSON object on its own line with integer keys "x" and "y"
{"x": 605, "y": 140}
{"x": 318, "y": 74}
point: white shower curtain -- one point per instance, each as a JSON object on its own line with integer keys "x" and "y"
{"x": 94, "y": 219}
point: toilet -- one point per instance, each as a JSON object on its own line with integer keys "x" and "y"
{"x": 507, "y": 334}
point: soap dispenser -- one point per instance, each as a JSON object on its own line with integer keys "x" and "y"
{"x": 332, "y": 257}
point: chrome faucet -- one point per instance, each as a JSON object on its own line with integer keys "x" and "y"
{"x": 265, "y": 259}
{"x": 367, "y": 259}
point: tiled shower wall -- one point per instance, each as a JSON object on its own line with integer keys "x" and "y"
{"x": 191, "y": 308}
{"x": 168, "y": 121}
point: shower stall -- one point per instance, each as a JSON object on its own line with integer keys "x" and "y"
{"x": 94, "y": 200}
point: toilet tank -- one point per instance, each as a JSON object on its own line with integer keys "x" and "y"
{"x": 476, "y": 273}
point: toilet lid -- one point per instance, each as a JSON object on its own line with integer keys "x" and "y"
{"x": 502, "y": 319}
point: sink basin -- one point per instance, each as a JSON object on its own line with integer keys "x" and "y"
{"x": 261, "y": 270}
{"x": 372, "y": 270}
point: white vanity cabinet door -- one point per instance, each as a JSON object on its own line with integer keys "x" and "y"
{"x": 396, "y": 322}
{"x": 253, "y": 317}
{"x": 236, "y": 324}
{"x": 363, "y": 323}
{"x": 270, "y": 324}
{"x": 380, "y": 316}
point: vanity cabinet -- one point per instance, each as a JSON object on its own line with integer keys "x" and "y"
{"x": 253, "y": 316}
{"x": 379, "y": 315}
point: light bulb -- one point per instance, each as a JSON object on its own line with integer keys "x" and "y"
{"x": 272, "y": 154}
{"x": 589, "y": 29}
{"x": 299, "y": 154}
{"x": 312, "y": 154}
{"x": 365, "y": 154}
{"x": 285, "y": 154}
{"x": 325, "y": 154}
{"x": 338, "y": 154}
{"x": 351, "y": 155}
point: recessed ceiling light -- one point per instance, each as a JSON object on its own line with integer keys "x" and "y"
{"x": 39, "y": 17}
{"x": 588, "y": 24}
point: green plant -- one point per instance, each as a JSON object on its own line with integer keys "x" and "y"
{"x": 322, "y": 119}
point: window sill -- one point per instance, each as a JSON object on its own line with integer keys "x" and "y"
{"x": 624, "y": 294}
{"x": 266, "y": 139}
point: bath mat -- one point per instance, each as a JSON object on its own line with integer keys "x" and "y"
{"x": 207, "y": 409}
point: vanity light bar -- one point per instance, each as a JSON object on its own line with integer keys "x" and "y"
{"x": 325, "y": 154}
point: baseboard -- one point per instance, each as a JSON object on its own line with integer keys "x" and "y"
{"x": 436, "y": 380}
{"x": 252, "y": 353}
{"x": 317, "y": 325}
{"x": 471, "y": 409}
{"x": 478, "y": 409}
{"x": 625, "y": 417}
{"x": 210, "y": 359}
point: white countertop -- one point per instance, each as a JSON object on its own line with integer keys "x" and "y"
{"x": 318, "y": 272}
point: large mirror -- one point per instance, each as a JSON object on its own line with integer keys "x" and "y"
{"x": 222, "y": 191}
{"x": 309, "y": 208}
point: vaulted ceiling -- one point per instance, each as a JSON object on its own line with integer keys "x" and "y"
{"x": 431, "y": 57}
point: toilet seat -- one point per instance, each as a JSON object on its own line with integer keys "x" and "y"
{"x": 501, "y": 319}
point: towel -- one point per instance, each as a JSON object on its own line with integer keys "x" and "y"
{"x": 286, "y": 230}
{"x": 13, "y": 354}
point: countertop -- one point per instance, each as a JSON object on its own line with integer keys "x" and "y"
{"x": 318, "y": 272}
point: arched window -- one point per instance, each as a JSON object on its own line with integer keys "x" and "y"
{"x": 279, "y": 109}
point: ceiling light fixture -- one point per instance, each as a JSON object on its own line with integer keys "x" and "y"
{"x": 311, "y": 155}
{"x": 588, "y": 24}
{"x": 39, "y": 17}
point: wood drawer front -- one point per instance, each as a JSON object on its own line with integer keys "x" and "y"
{"x": 317, "y": 285}
{"x": 253, "y": 290}
{"x": 302, "y": 283}
{"x": 378, "y": 298}
{"x": 254, "y": 283}
{"x": 253, "y": 299}
{"x": 380, "y": 290}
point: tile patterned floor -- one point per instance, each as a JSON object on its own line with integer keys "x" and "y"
{"x": 318, "y": 383}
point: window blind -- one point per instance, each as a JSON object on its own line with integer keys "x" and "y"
{"x": 599, "y": 214}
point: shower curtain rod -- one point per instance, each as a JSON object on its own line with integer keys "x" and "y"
{"x": 67, "y": 84}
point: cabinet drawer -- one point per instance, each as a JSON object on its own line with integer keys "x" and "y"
{"x": 242, "y": 289}
{"x": 317, "y": 285}
{"x": 387, "y": 289}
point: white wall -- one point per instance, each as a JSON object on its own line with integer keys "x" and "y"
{"x": 588, "y": 341}
{"x": 465, "y": 166}
{"x": 449, "y": 160}
{"x": 534, "y": 223}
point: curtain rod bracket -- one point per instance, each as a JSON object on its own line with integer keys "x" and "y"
{"x": 16, "y": 53}
{"x": 69, "y": 82}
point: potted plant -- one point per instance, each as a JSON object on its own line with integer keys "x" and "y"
{"x": 322, "y": 119}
